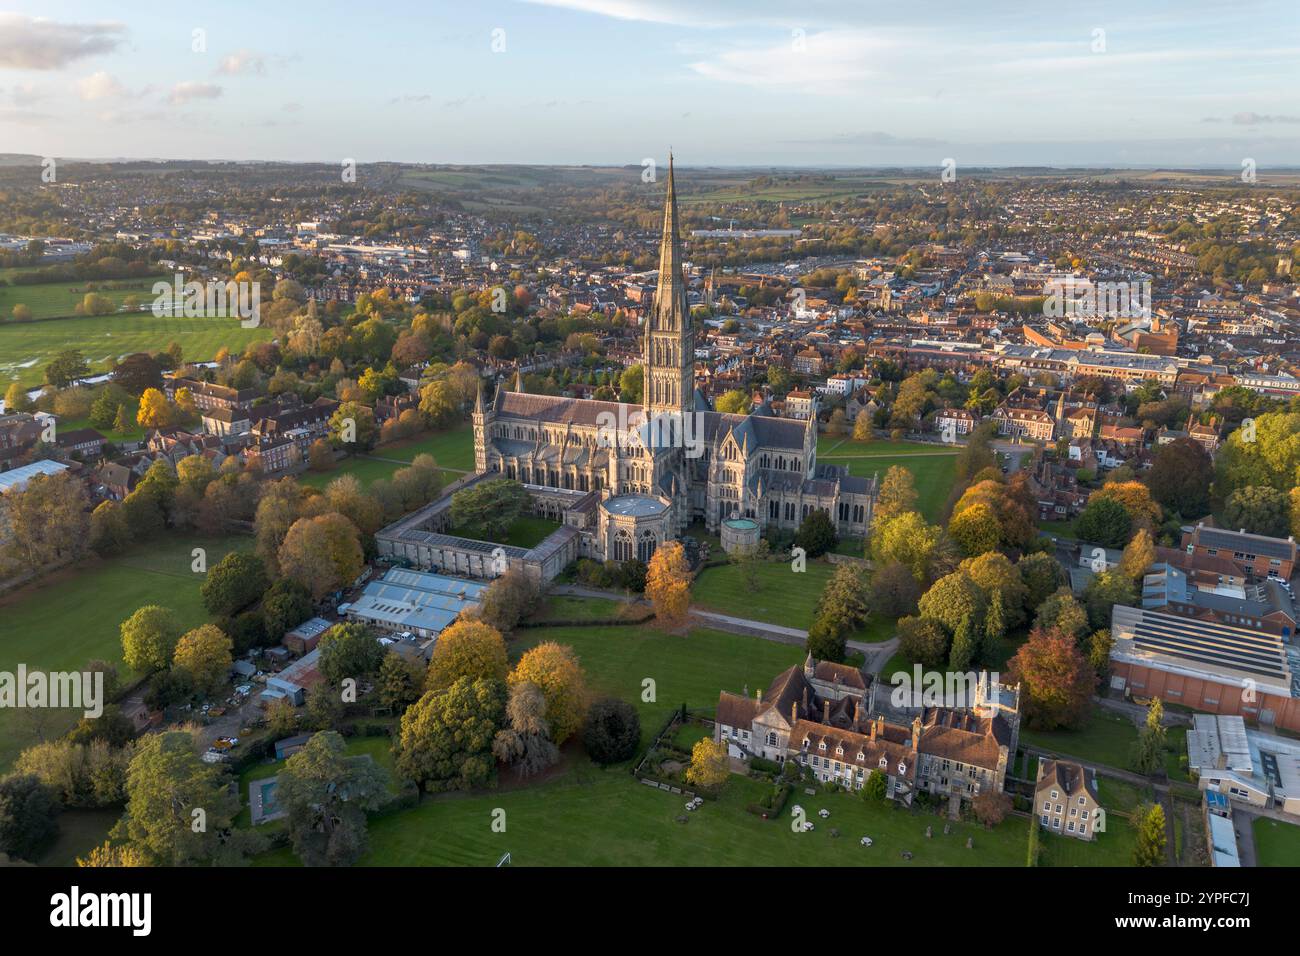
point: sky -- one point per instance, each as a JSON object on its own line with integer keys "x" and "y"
{"x": 612, "y": 82}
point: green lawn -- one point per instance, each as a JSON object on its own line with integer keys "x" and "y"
{"x": 690, "y": 669}
{"x": 27, "y": 347}
{"x": 593, "y": 817}
{"x": 558, "y": 607}
{"x": 526, "y": 531}
{"x": 58, "y": 299}
{"x": 931, "y": 466}
{"x": 80, "y": 831}
{"x": 134, "y": 433}
{"x": 1112, "y": 848}
{"x": 1107, "y": 739}
{"x": 1276, "y": 843}
{"x": 453, "y": 450}
{"x": 1058, "y": 529}
{"x": 73, "y": 617}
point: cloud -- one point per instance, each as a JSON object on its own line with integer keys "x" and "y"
{"x": 874, "y": 138}
{"x": 1259, "y": 119}
{"x": 192, "y": 90}
{"x": 27, "y": 117}
{"x": 100, "y": 86}
{"x": 25, "y": 94}
{"x": 242, "y": 62}
{"x": 410, "y": 98}
{"x": 827, "y": 63}
{"x": 35, "y": 43}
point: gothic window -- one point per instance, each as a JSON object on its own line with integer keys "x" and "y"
{"x": 645, "y": 547}
{"x": 622, "y": 546}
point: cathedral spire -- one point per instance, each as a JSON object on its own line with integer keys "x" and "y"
{"x": 669, "y": 341}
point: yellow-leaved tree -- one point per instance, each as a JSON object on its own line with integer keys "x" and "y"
{"x": 554, "y": 668}
{"x": 668, "y": 584}
{"x": 709, "y": 765}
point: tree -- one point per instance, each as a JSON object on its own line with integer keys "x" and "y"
{"x": 991, "y": 807}
{"x": 976, "y": 529}
{"x": 1104, "y": 521}
{"x": 843, "y": 603}
{"x": 876, "y": 787}
{"x": 1042, "y": 575}
{"x": 1139, "y": 554}
{"x": 826, "y": 641}
{"x": 555, "y": 670}
{"x": 965, "y": 646}
{"x": 346, "y": 496}
{"x": 750, "y": 562}
{"x": 44, "y": 523}
{"x": 323, "y": 553}
{"x": 488, "y": 508}
{"x": 1136, "y": 500}
{"x": 923, "y": 641}
{"x": 894, "y": 591}
{"x": 65, "y": 368}
{"x": 1056, "y": 683}
{"x": 155, "y": 411}
{"x": 169, "y": 790}
{"x": 508, "y": 600}
{"x": 1149, "y": 751}
{"x": 906, "y": 539}
{"x": 997, "y": 577}
{"x": 862, "y": 428}
{"x": 285, "y": 605}
{"x": 205, "y": 655}
{"x": 710, "y": 764}
{"x": 630, "y": 384}
{"x": 1258, "y": 509}
{"x": 467, "y": 649}
{"x": 445, "y": 742}
{"x": 816, "y": 534}
{"x": 439, "y": 404}
{"x": 277, "y": 510}
{"x": 16, "y": 399}
{"x": 28, "y": 810}
{"x": 1103, "y": 592}
{"x": 952, "y": 598}
{"x": 1099, "y": 645}
{"x": 613, "y": 731}
{"x": 1061, "y": 612}
{"x": 1150, "y": 847}
{"x": 1268, "y": 453}
{"x": 400, "y": 682}
{"x": 734, "y": 402}
{"x": 349, "y": 651}
{"x": 326, "y": 793}
{"x": 668, "y": 584}
{"x": 116, "y": 857}
{"x": 1180, "y": 477}
{"x": 353, "y": 428}
{"x": 525, "y": 742}
{"x": 149, "y": 639}
{"x": 897, "y": 494}
{"x": 137, "y": 372}
{"x": 235, "y": 582}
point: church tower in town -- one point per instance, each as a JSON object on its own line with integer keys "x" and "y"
{"x": 669, "y": 338}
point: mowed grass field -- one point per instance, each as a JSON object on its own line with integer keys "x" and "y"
{"x": 931, "y": 465}
{"x": 453, "y": 450}
{"x": 595, "y": 817}
{"x": 27, "y": 347}
{"x": 74, "y": 617}
{"x": 1276, "y": 843}
{"x": 57, "y": 299}
{"x": 783, "y": 597}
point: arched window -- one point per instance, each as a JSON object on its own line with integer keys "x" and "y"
{"x": 622, "y": 546}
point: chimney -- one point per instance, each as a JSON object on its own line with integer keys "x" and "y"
{"x": 916, "y": 733}
{"x": 794, "y": 712}
{"x": 857, "y": 713}
{"x": 826, "y": 711}
{"x": 805, "y": 698}
{"x": 873, "y": 730}
{"x": 760, "y": 697}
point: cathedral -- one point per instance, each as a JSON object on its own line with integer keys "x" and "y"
{"x": 628, "y": 477}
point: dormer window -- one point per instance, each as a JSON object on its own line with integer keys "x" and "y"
{"x": 839, "y": 751}
{"x": 822, "y": 745}
{"x": 861, "y": 756}
{"x": 884, "y": 763}
{"x": 805, "y": 743}
{"x": 902, "y": 768}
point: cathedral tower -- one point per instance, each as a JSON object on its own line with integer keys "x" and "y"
{"x": 669, "y": 338}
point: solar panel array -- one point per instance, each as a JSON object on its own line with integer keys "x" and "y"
{"x": 1213, "y": 644}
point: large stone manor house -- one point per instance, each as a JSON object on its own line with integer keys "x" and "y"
{"x": 628, "y": 477}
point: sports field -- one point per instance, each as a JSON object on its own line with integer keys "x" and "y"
{"x": 74, "y": 616}
{"x": 27, "y": 347}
